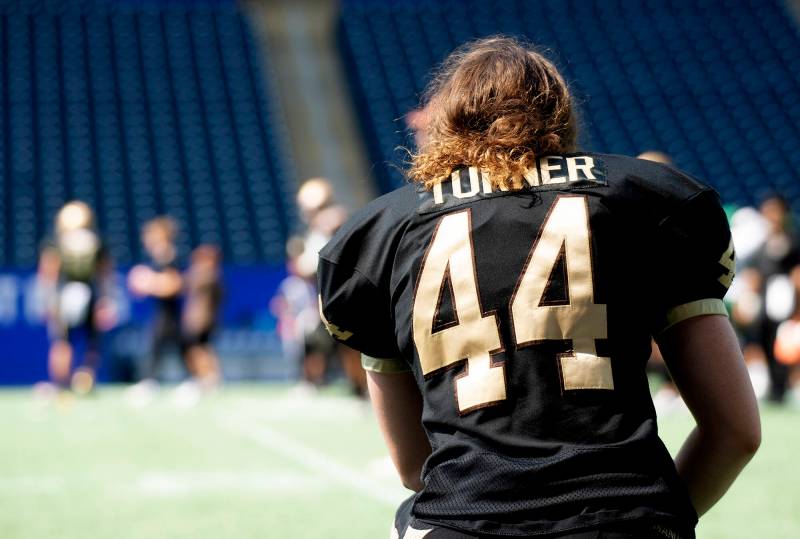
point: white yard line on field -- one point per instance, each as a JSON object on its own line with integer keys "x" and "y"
{"x": 312, "y": 459}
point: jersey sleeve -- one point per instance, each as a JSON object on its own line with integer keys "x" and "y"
{"x": 356, "y": 313}
{"x": 694, "y": 260}
{"x": 354, "y": 278}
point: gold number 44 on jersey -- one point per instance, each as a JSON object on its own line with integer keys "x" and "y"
{"x": 475, "y": 337}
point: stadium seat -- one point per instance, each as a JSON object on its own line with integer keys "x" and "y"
{"x": 712, "y": 83}
{"x": 140, "y": 108}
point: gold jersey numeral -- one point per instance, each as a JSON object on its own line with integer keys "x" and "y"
{"x": 581, "y": 320}
{"x": 476, "y": 337}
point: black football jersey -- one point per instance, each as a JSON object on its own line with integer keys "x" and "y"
{"x": 80, "y": 252}
{"x": 526, "y": 317}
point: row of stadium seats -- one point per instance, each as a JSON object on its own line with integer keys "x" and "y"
{"x": 139, "y": 112}
{"x": 713, "y": 83}
{"x": 94, "y": 7}
{"x": 142, "y": 107}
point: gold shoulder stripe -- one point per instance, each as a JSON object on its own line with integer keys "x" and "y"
{"x": 700, "y": 307}
{"x": 728, "y": 261}
{"x": 333, "y": 330}
{"x": 384, "y": 366}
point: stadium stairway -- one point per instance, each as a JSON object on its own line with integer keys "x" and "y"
{"x": 714, "y": 83}
{"x": 322, "y": 126}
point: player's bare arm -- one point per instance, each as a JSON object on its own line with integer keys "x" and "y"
{"x": 398, "y": 408}
{"x": 705, "y": 360}
{"x": 166, "y": 283}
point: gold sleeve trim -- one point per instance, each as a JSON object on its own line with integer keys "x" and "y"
{"x": 694, "y": 308}
{"x": 384, "y": 366}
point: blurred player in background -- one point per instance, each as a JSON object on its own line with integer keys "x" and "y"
{"x": 203, "y": 297}
{"x": 295, "y": 307}
{"x": 323, "y": 217}
{"x": 776, "y": 265}
{"x": 505, "y": 304}
{"x": 162, "y": 281}
{"x": 749, "y": 231}
{"x": 75, "y": 268}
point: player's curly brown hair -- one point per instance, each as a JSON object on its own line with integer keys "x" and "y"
{"x": 495, "y": 104}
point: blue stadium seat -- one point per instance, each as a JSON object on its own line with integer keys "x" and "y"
{"x": 140, "y": 108}
{"x": 713, "y": 83}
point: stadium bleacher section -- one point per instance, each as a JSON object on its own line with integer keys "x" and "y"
{"x": 713, "y": 83}
{"x": 139, "y": 108}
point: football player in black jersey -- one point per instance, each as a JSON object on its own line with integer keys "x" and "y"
{"x": 75, "y": 268}
{"x": 504, "y": 303}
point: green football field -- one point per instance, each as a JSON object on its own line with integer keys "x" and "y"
{"x": 267, "y": 461}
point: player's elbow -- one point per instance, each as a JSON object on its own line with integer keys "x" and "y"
{"x": 749, "y": 440}
{"x": 744, "y": 441}
{"x": 411, "y": 477}
{"x": 741, "y": 438}
{"x": 412, "y": 482}
{"x": 746, "y": 434}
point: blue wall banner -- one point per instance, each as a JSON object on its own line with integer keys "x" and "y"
{"x": 246, "y": 340}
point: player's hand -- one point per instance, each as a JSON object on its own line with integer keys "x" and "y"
{"x": 140, "y": 280}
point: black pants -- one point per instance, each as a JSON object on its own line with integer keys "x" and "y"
{"x": 166, "y": 335}
{"x": 778, "y": 372}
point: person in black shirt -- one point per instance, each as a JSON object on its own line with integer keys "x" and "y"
{"x": 161, "y": 280}
{"x": 504, "y": 303}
